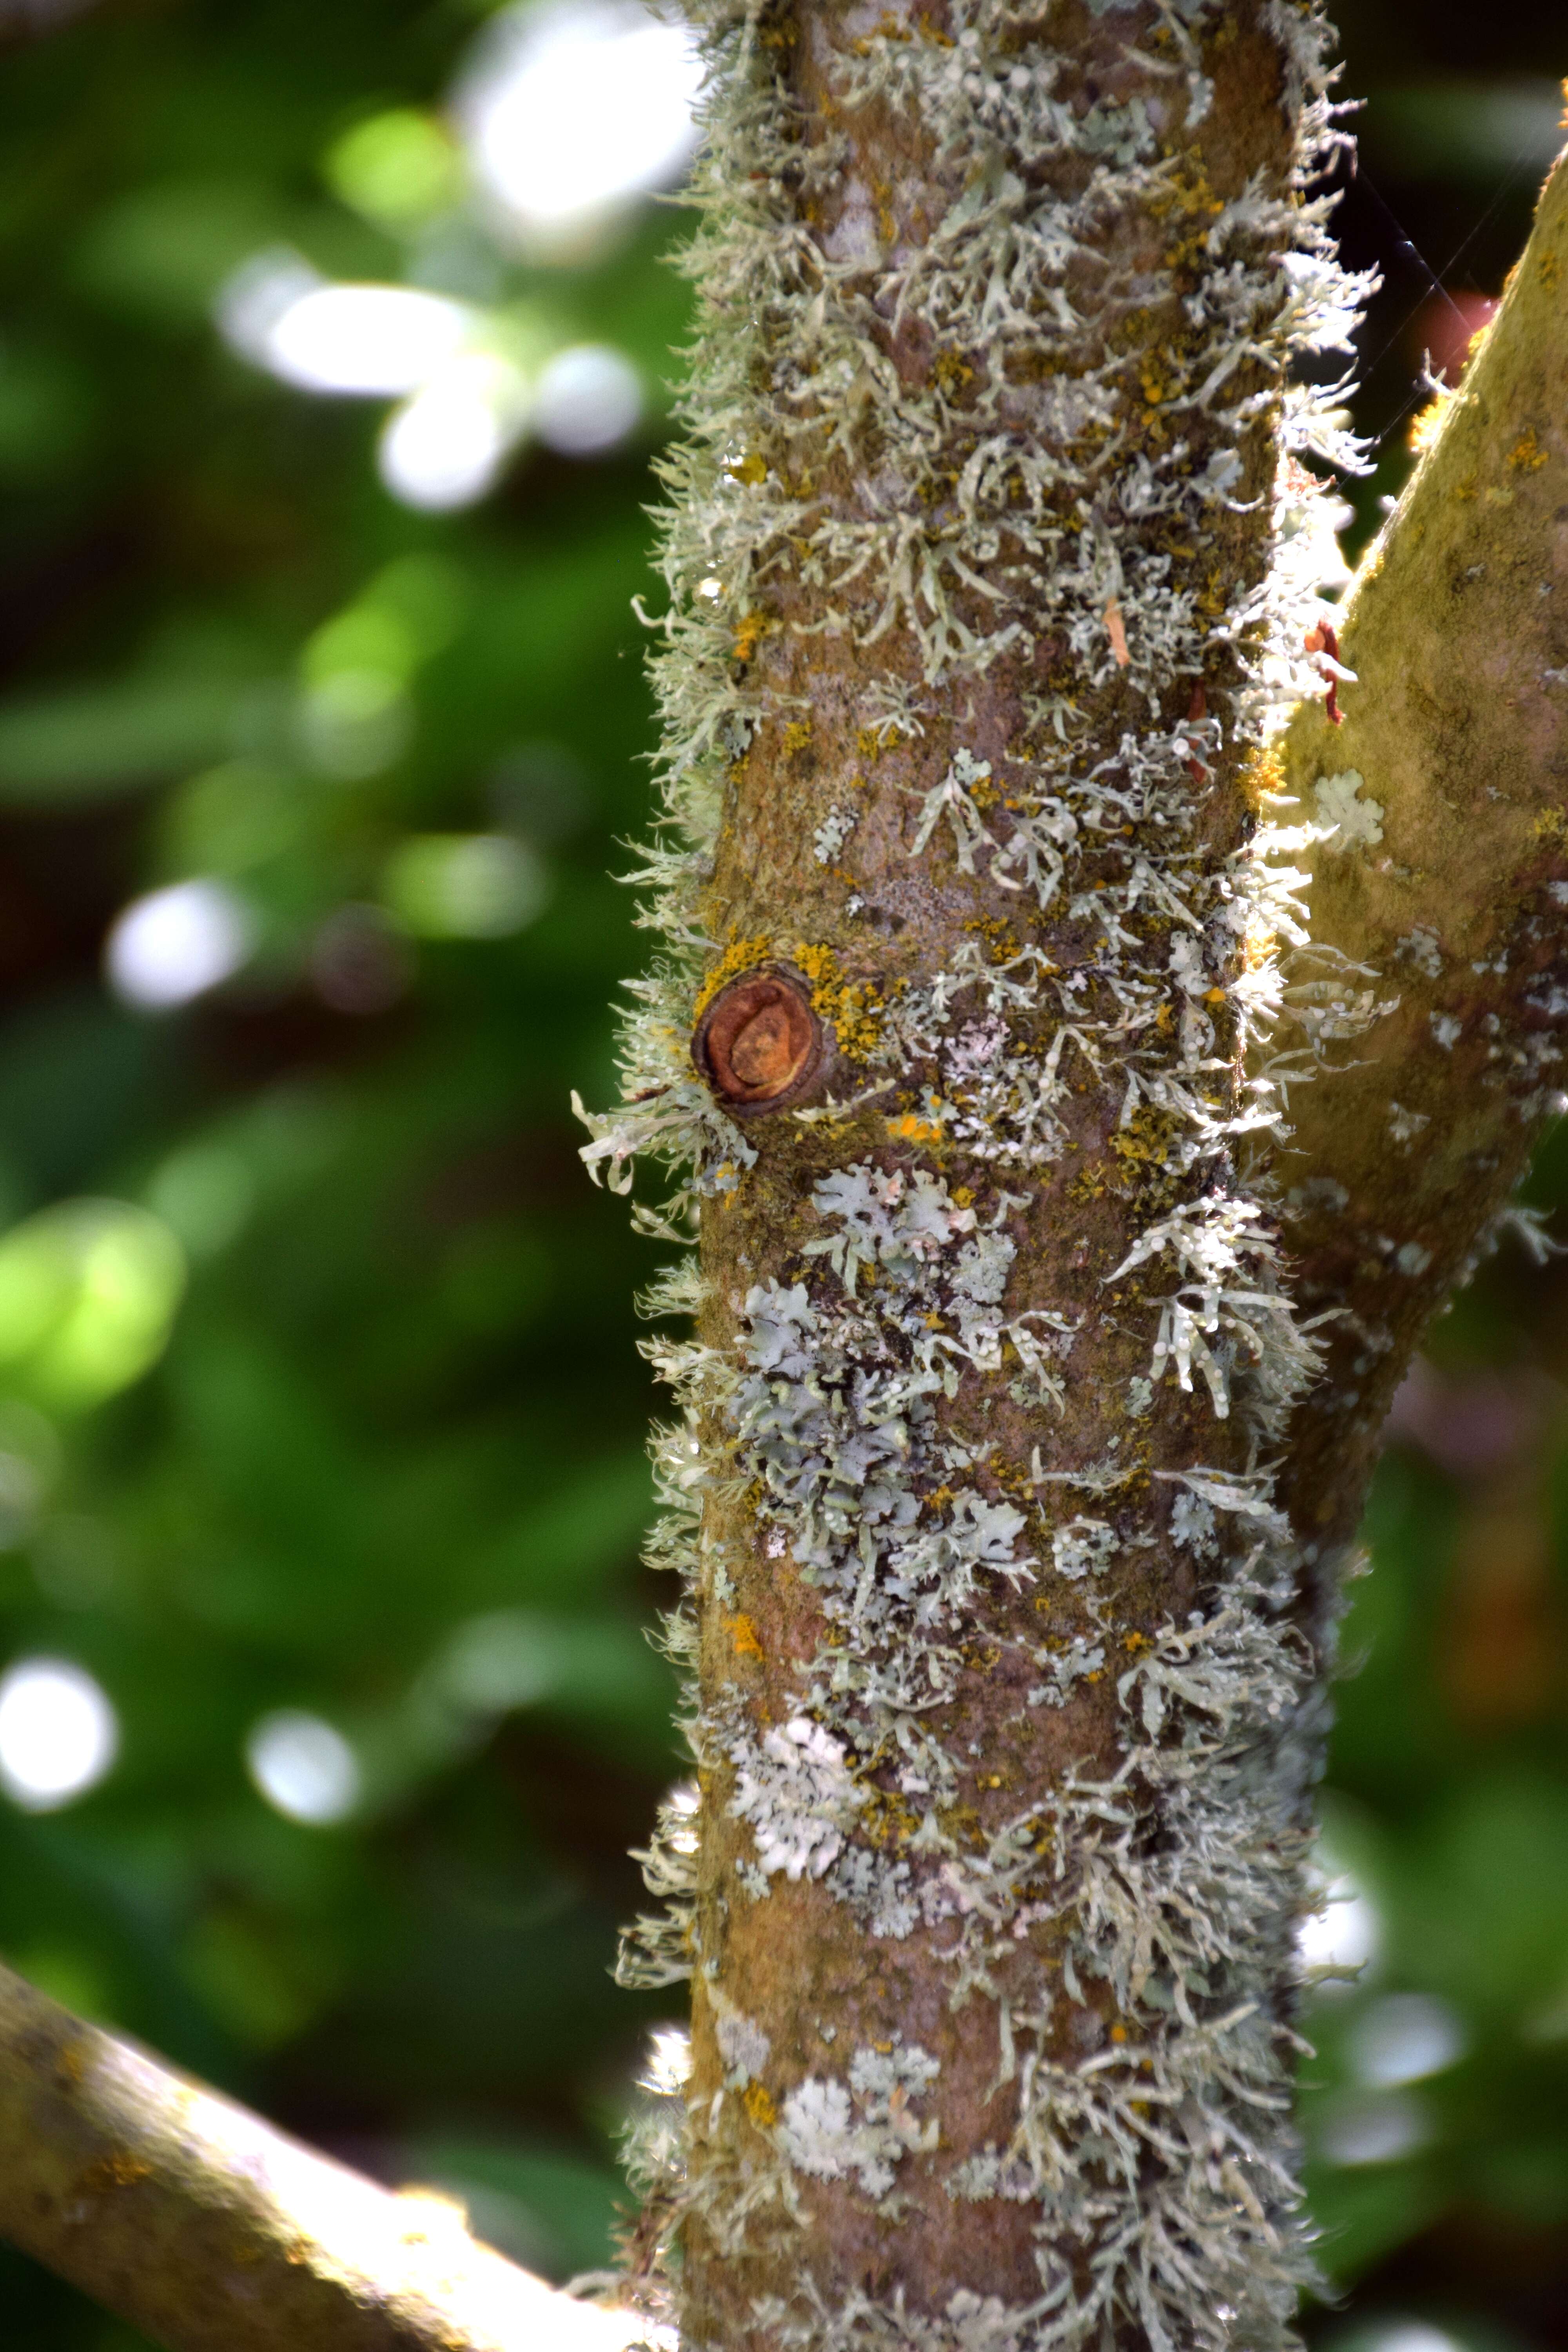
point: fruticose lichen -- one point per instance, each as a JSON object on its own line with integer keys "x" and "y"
{"x": 875, "y": 1419}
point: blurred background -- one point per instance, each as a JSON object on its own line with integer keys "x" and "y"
{"x": 333, "y": 344}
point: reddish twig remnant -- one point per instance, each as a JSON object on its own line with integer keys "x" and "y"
{"x": 1324, "y": 639}
{"x": 759, "y": 1044}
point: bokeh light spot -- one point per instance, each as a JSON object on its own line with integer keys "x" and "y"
{"x": 573, "y": 108}
{"x": 174, "y": 944}
{"x": 303, "y": 1767}
{"x": 59, "y": 1733}
{"x": 587, "y": 399}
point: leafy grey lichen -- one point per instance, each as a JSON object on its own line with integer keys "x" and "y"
{"x": 1159, "y": 2169}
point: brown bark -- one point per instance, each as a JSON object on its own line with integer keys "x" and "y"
{"x": 798, "y": 1965}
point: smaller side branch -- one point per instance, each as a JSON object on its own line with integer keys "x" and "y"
{"x": 212, "y": 2232}
{"x": 1446, "y": 877}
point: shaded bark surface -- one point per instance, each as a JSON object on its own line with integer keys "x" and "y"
{"x": 1457, "y": 627}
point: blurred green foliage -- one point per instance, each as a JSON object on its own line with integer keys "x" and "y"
{"x": 319, "y": 1388}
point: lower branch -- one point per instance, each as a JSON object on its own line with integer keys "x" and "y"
{"x": 212, "y": 2232}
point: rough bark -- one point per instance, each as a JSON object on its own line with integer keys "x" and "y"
{"x": 1011, "y": 1667}
{"x": 1006, "y": 1716}
{"x": 212, "y": 2232}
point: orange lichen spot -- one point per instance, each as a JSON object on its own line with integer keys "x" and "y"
{"x": 759, "y": 2105}
{"x": 797, "y": 735}
{"x": 1549, "y": 269}
{"x": 1213, "y": 996}
{"x": 1134, "y": 1642}
{"x": 911, "y": 1129}
{"x": 750, "y": 630}
{"x": 1119, "y": 2033}
{"x": 120, "y": 2169}
{"x": 744, "y": 1635}
{"x": 1116, "y": 630}
{"x": 1527, "y": 453}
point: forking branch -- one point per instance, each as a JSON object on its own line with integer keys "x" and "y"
{"x": 1440, "y": 879}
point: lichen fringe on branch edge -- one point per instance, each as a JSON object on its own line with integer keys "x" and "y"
{"x": 1175, "y": 2165}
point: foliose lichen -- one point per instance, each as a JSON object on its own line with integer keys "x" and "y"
{"x": 1048, "y": 495}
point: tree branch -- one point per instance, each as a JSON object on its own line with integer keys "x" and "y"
{"x": 1448, "y": 878}
{"x": 212, "y": 2232}
{"x": 1004, "y": 1727}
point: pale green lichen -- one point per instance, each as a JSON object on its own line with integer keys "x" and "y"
{"x": 1159, "y": 2170}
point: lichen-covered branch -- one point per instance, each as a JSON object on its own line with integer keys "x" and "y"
{"x": 1443, "y": 876}
{"x": 212, "y": 2232}
{"x": 991, "y": 555}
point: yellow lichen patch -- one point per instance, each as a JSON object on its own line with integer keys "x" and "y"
{"x": 852, "y": 1006}
{"x": 1134, "y": 1642}
{"x": 759, "y": 2105}
{"x": 1527, "y": 454}
{"x": 1427, "y": 424}
{"x": 739, "y": 956}
{"x": 1262, "y": 777}
{"x": 119, "y": 2169}
{"x": 1144, "y": 1143}
{"x": 951, "y": 372}
{"x": 910, "y": 1130}
{"x": 1001, "y": 939}
{"x": 872, "y": 741}
{"x": 1552, "y": 825}
{"x": 1187, "y": 198}
{"x": 1549, "y": 271}
{"x": 744, "y": 1634}
{"x": 887, "y": 1819}
{"x": 750, "y": 630}
{"x": 752, "y": 468}
{"x": 797, "y": 735}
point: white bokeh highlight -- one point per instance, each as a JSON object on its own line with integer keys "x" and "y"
{"x": 174, "y": 944}
{"x": 1404, "y": 2037}
{"x": 1345, "y": 1934}
{"x": 59, "y": 1733}
{"x": 445, "y": 447}
{"x": 303, "y": 1767}
{"x": 1406, "y": 2336}
{"x": 357, "y": 339}
{"x": 587, "y": 398}
{"x": 1372, "y": 2127}
{"x": 575, "y": 108}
